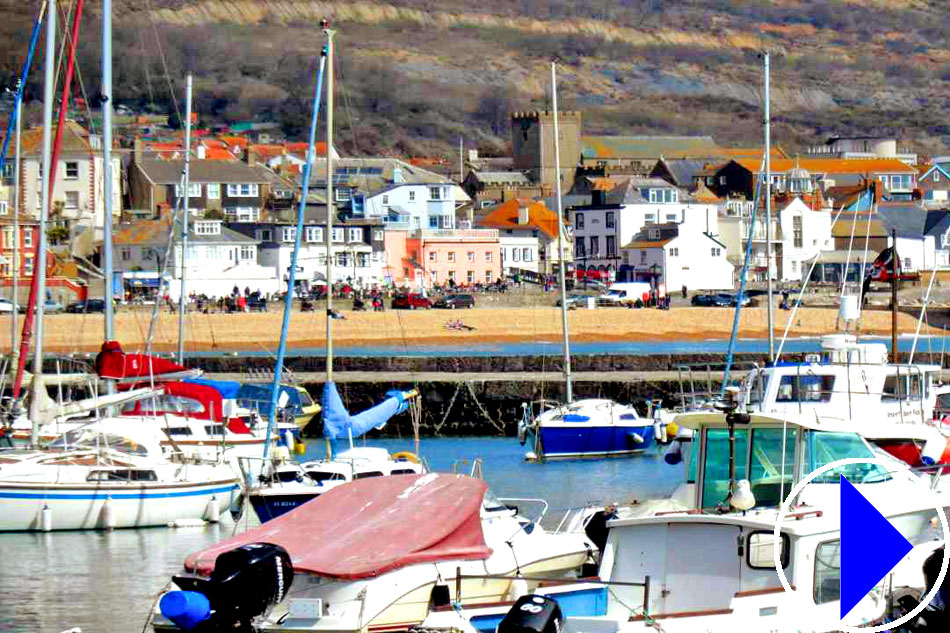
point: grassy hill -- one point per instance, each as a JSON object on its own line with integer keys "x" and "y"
{"x": 414, "y": 75}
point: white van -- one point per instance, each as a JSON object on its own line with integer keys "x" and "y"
{"x": 624, "y": 293}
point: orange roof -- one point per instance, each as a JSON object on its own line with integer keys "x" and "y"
{"x": 320, "y": 148}
{"x": 239, "y": 141}
{"x": 650, "y": 243}
{"x": 832, "y": 165}
{"x": 505, "y": 216}
{"x": 266, "y": 151}
{"x": 607, "y": 183}
{"x": 218, "y": 153}
{"x": 75, "y": 140}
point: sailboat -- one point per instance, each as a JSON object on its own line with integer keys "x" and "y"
{"x": 283, "y": 484}
{"x": 587, "y": 427}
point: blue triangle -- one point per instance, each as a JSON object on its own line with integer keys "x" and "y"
{"x": 870, "y": 546}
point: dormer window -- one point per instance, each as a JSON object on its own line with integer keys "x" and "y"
{"x": 208, "y": 227}
{"x": 654, "y": 234}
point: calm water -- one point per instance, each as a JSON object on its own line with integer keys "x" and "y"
{"x": 107, "y": 582}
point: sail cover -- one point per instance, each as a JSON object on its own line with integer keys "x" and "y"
{"x": 373, "y": 526}
{"x": 112, "y": 362}
{"x": 337, "y": 421}
{"x": 227, "y": 388}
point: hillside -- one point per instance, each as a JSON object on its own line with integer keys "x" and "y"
{"x": 416, "y": 74}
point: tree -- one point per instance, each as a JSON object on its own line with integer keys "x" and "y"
{"x": 57, "y": 234}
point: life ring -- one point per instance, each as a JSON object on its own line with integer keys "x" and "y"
{"x": 406, "y": 456}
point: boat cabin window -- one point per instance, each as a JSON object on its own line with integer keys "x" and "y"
{"x": 943, "y": 402}
{"x": 491, "y": 503}
{"x": 178, "y": 430}
{"x": 289, "y": 476}
{"x": 403, "y": 471}
{"x": 716, "y": 464}
{"x": 902, "y": 387}
{"x": 758, "y": 387}
{"x": 368, "y": 474}
{"x": 828, "y": 572}
{"x": 805, "y": 388}
{"x": 759, "y": 550}
{"x": 90, "y": 439}
{"x": 318, "y": 476}
{"x": 165, "y": 403}
{"x": 122, "y": 474}
{"x": 305, "y": 399}
{"x": 214, "y": 429}
{"x": 772, "y": 468}
{"x": 824, "y": 447}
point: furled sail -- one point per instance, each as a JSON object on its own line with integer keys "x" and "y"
{"x": 337, "y": 421}
{"x": 113, "y": 363}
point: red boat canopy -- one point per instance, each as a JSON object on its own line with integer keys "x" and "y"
{"x": 372, "y": 526}
{"x": 112, "y": 362}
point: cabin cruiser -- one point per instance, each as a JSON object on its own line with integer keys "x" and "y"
{"x": 108, "y": 474}
{"x": 368, "y": 556}
{"x": 284, "y": 484}
{"x": 592, "y": 427}
{"x": 890, "y": 404}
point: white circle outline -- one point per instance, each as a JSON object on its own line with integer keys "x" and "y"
{"x": 888, "y": 466}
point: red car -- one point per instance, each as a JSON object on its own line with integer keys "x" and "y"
{"x": 410, "y": 302}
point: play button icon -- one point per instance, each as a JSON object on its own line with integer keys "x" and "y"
{"x": 870, "y": 546}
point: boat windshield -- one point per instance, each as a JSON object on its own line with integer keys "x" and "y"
{"x": 87, "y": 438}
{"x": 824, "y": 447}
{"x": 757, "y": 386}
{"x": 491, "y": 503}
{"x": 769, "y": 464}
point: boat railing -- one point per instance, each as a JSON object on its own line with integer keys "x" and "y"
{"x": 468, "y": 466}
{"x": 693, "y": 376}
{"x": 541, "y": 502}
{"x": 576, "y": 518}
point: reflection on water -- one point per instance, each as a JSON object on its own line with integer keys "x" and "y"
{"x": 107, "y": 582}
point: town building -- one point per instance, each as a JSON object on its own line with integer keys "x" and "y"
{"x": 934, "y": 184}
{"x": 673, "y": 255}
{"x": 528, "y": 237}
{"x": 455, "y": 257}
{"x": 532, "y": 146}
{"x": 862, "y": 147}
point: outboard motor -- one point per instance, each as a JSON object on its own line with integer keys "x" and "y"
{"x": 936, "y": 616}
{"x": 244, "y": 583}
{"x": 532, "y": 614}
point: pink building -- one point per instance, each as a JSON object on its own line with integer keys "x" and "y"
{"x": 465, "y": 256}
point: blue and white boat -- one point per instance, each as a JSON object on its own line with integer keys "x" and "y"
{"x": 591, "y": 427}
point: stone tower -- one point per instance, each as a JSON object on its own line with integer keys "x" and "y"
{"x": 532, "y": 145}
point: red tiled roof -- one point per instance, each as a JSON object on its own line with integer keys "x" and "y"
{"x": 650, "y": 243}
{"x": 832, "y": 165}
{"x": 505, "y": 216}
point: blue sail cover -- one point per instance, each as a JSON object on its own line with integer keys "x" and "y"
{"x": 257, "y": 398}
{"x": 337, "y": 421}
{"x": 227, "y": 388}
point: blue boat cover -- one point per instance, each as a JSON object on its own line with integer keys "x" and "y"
{"x": 227, "y": 388}
{"x": 337, "y": 421}
{"x": 257, "y": 398}
{"x": 576, "y": 417}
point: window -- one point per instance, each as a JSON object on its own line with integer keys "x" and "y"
{"x": 611, "y": 246}
{"x": 611, "y": 221}
{"x": 435, "y": 193}
{"x": 451, "y": 256}
{"x": 452, "y": 275}
{"x": 805, "y": 388}
{"x": 243, "y": 190}
{"x": 797, "y": 230}
{"x": 487, "y": 276}
{"x": 908, "y": 264}
{"x": 901, "y": 387}
{"x": 28, "y": 238}
{"x": 194, "y": 190}
{"x": 594, "y": 246}
{"x": 314, "y": 234}
{"x": 516, "y": 254}
{"x": 433, "y": 256}
{"x": 643, "y": 257}
{"x": 716, "y": 477}
{"x": 722, "y": 180}
{"x": 247, "y": 252}
{"x": 579, "y": 248}
{"x": 126, "y": 253}
{"x": 674, "y": 252}
{"x": 3, "y": 207}
{"x": 356, "y": 235}
{"x": 243, "y": 214}
{"x": 471, "y": 256}
{"x": 579, "y": 221}
{"x": 526, "y": 254}
{"x": 412, "y": 196}
{"x": 378, "y": 235}
{"x": 652, "y": 195}
{"x": 828, "y": 572}
{"x": 794, "y": 266}
{"x": 671, "y": 217}
{"x": 72, "y": 170}
{"x": 265, "y": 235}
{"x": 715, "y": 251}
{"x": 8, "y": 237}
{"x": 28, "y": 265}
{"x": 649, "y": 218}
{"x": 338, "y": 235}
{"x": 487, "y": 256}
{"x": 214, "y": 190}
{"x": 385, "y": 199}
{"x": 936, "y": 176}
{"x": 470, "y": 276}
{"x": 72, "y": 199}
{"x": 761, "y": 545}
{"x": 288, "y": 234}
{"x": 208, "y": 227}
{"x": 342, "y": 194}
{"x": 149, "y": 254}
{"x": 433, "y": 221}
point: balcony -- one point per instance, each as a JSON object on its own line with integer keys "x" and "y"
{"x": 455, "y": 234}
{"x": 758, "y": 232}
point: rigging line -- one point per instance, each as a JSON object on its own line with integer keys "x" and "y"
{"x": 65, "y": 13}
{"x": 161, "y": 277}
{"x": 161, "y": 56}
{"x": 864, "y": 261}
{"x": 67, "y": 40}
{"x": 801, "y": 294}
{"x": 923, "y": 312}
{"x": 844, "y": 277}
{"x": 346, "y": 106}
{"x": 145, "y": 65}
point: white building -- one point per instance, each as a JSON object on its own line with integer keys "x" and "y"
{"x": 678, "y": 255}
{"x": 616, "y": 216}
{"x": 804, "y": 233}
{"x": 218, "y": 259}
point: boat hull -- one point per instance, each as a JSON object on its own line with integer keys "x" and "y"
{"x": 82, "y": 507}
{"x": 588, "y": 440}
{"x": 271, "y": 506}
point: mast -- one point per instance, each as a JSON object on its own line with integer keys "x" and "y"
{"x": 107, "y": 265}
{"x": 768, "y": 204}
{"x": 569, "y": 388}
{"x": 895, "y": 272}
{"x": 184, "y": 222}
{"x": 14, "y": 351}
{"x": 329, "y": 236}
{"x": 39, "y": 262}
{"x": 291, "y": 276}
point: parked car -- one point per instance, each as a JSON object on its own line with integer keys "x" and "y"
{"x": 576, "y": 300}
{"x": 721, "y": 300}
{"x": 410, "y": 302}
{"x": 52, "y": 307}
{"x": 88, "y": 305}
{"x": 736, "y": 297}
{"x": 6, "y": 305}
{"x": 625, "y": 293}
{"x": 455, "y": 301}
{"x": 256, "y": 304}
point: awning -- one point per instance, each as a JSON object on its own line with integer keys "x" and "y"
{"x": 372, "y": 526}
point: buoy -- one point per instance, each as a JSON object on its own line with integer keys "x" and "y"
{"x": 636, "y": 437}
{"x": 675, "y": 454}
{"x": 289, "y": 440}
{"x": 300, "y": 447}
{"x": 236, "y": 506}
{"x": 107, "y": 516}
{"x": 214, "y": 512}
{"x": 531, "y": 456}
{"x": 517, "y": 588}
{"x": 672, "y": 430}
{"x": 46, "y": 518}
{"x": 186, "y": 523}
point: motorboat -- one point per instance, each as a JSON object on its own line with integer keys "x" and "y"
{"x": 108, "y": 474}
{"x": 287, "y": 484}
{"x": 591, "y": 427}
{"x": 377, "y": 554}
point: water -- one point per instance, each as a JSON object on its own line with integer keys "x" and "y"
{"x": 107, "y": 582}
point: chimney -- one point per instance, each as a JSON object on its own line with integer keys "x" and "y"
{"x": 201, "y": 152}
{"x": 250, "y": 155}
{"x": 137, "y": 150}
{"x": 523, "y": 215}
